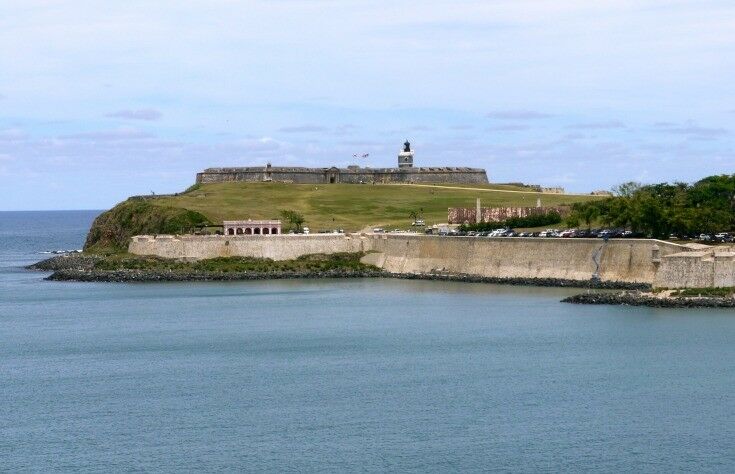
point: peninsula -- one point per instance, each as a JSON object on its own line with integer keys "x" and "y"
{"x": 243, "y": 225}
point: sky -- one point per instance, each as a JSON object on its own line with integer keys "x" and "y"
{"x": 102, "y": 100}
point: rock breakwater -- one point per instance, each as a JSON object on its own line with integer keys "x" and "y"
{"x": 637, "y": 298}
{"x": 83, "y": 268}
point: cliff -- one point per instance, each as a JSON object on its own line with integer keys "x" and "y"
{"x": 111, "y": 231}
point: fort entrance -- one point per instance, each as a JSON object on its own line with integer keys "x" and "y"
{"x": 333, "y": 175}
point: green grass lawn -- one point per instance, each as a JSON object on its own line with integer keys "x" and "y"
{"x": 351, "y": 207}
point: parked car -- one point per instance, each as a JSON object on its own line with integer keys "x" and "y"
{"x": 723, "y": 237}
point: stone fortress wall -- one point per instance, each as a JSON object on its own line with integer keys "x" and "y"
{"x": 351, "y": 175}
{"x": 462, "y": 215}
{"x": 404, "y": 173}
{"x": 701, "y": 268}
{"x": 624, "y": 260}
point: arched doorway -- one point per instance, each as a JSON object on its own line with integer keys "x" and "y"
{"x": 230, "y": 231}
{"x": 248, "y": 231}
{"x": 256, "y": 231}
{"x": 239, "y": 231}
{"x": 266, "y": 231}
{"x": 274, "y": 230}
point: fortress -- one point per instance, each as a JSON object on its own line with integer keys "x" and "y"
{"x": 404, "y": 173}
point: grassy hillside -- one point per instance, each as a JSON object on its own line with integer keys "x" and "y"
{"x": 111, "y": 230}
{"x": 349, "y": 206}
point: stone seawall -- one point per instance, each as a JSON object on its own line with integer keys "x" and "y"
{"x": 625, "y": 260}
{"x": 712, "y": 267}
{"x": 275, "y": 247}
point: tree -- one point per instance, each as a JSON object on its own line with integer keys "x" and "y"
{"x": 589, "y": 214}
{"x": 626, "y": 189}
{"x": 294, "y": 219}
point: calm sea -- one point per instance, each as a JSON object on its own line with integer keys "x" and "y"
{"x": 344, "y": 376}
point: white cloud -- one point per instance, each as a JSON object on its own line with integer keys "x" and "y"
{"x": 604, "y": 125}
{"x": 120, "y": 134}
{"x": 12, "y": 134}
{"x": 302, "y": 129}
{"x": 137, "y": 114}
{"x": 518, "y": 115}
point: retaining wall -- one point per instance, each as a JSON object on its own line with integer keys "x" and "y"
{"x": 626, "y": 260}
{"x": 276, "y": 247}
{"x": 714, "y": 267}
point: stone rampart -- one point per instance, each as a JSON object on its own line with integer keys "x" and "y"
{"x": 276, "y": 247}
{"x": 462, "y": 215}
{"x": 352, "y": 175}
{"x": 624, "y": 260}
{"x": 714, "y": 267}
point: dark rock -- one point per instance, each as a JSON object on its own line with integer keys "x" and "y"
{"x": 640, "y": 299}
{"x": 66, "y": 261}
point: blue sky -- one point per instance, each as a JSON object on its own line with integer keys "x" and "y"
{"x": 101, "y": 100}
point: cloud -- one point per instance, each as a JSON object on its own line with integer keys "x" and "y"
{"x": 120, "y": 134}
{"x": 610, "y": 124}
{"x": 345, "y": 129}
{"x": 508, "y": 128}
{"x": 517, "y": 115}
{"x": 262, "y": 144}
{"x": 303, "y": 129}
{"x": 691, "y": 130}
{"x": 574, "y": 136}
{"x": 12, "y": 134}
{"x": 137, "y": 114}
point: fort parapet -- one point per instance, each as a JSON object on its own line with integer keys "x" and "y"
{"x": 404, "y": 173}
{"x": 351, "y": 175}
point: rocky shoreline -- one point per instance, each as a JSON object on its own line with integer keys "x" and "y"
{"x": 638, "y": 298}
{"x": 75, "y": 267}
{"x": 121, "y": 276}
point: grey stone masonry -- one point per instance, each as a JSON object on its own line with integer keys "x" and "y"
{"x": 352, "y": 174}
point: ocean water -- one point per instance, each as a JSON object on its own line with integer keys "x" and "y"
{"x": 344, "y": 376}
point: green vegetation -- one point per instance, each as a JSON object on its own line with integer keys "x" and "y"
{"x": 112, "y": 230}
{"x": 350, "y": 206}
{"x": 305, "y": 263}
{"x": 704, "y": 292}
{"x": 516, "y": 222}
{"x": 293, "y": 219}
{"x": 658, "y": 210}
